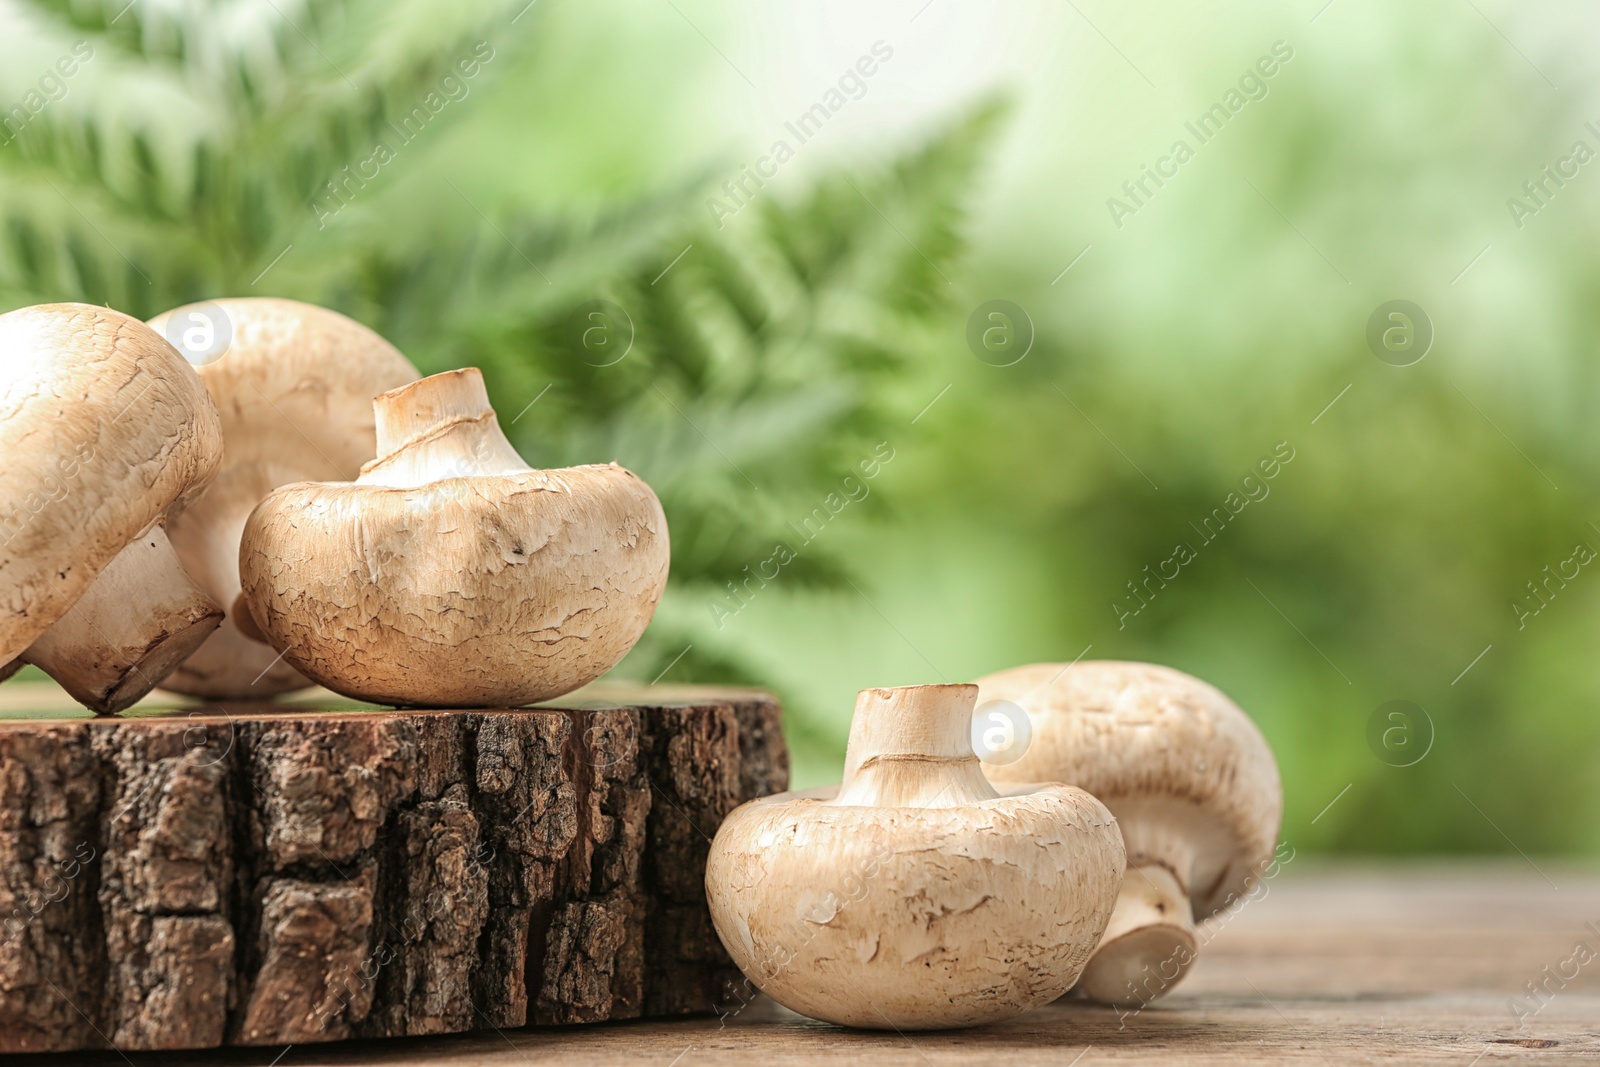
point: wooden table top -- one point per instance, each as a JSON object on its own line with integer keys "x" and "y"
{"x": 1335, "y": 964}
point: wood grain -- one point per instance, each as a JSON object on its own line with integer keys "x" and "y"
{"x": 1336, "y": 965}
{"x": 269, "y": 875}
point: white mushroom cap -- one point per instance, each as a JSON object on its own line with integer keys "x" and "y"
{"x": 104, "y": 428}
{"x": 450, "y": 573}
{"x": 293, "y": 385}
{"x": 914, "y": 896}
{"x": 1192, "y": 784}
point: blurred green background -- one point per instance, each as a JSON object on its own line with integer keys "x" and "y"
{"x": 779, "y": 334}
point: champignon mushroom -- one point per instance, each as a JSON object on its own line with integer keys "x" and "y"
{"x": 105, "y": 429}
{"x": 913, "y": 895}
{"x": 450, "y": 573}
{"x": 1192, "y": 784}
{"x": 293, "y": 384}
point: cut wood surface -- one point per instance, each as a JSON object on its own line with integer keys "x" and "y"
{"x": 273, "y": 874}
{"x": 1335, "y": 965}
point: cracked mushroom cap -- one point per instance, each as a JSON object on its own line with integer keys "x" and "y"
{"x": 1186, "y": 772}
{"x": 450, "y": 573}
{"x": 104, "y": 427}
{"x": 293, "y": 384}
{"x": 914, "y": 895}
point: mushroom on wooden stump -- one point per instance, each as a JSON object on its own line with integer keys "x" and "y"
{"x": 293, "y": 384}
{"x": 914, "y": 895}
{"x": 104, "y": 428}
{"x": 1191, "y": 781}
{"x": 450, "y": 573}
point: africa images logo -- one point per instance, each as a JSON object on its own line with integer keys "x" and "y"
{"x": 1252, "y": 85}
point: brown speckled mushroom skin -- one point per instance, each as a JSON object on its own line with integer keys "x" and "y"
{"x": 450, "y": 573}
{"x": 294, "y": 390}
{"x": 104, "y": 427}
{"x": 914, "y": 896}
{"x": 1188, "y": 775}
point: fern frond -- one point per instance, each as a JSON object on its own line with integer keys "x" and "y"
{"x": 752, "y": 367}
{"x": 760, "y": 360}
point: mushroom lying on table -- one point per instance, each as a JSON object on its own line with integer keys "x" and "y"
{"x": 450, "y": 573}
{"x": 1192, "y": 784}
{"x": 104, "y": 428}
{"x": 914, "y": 895}
{"x": 293, "y": 384}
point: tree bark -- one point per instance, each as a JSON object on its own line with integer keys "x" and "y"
{"x": 265, "y": 875}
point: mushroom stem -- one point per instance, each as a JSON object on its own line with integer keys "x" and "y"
{"x": 138, "y": 619}
{"x": 1149, "y": 944}
{"x": 911, "y": 747}
{"x": 245, "y": 622}
{"x": 439, "y": 427}
{"x": 236, "y": 662}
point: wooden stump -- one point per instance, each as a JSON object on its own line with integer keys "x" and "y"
{"x": 263, "y": 875}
